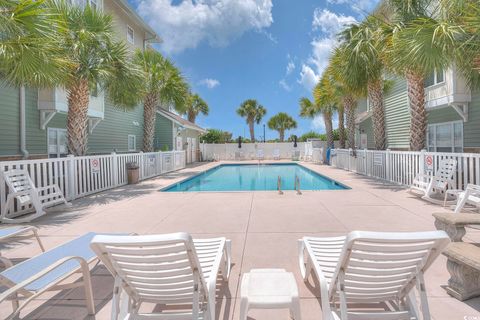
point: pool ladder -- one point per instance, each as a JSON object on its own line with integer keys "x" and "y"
{"x": 297, "y": 185}
{"x": 279, "y": 185}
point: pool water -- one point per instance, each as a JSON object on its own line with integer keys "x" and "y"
{"x": 250, "y": 177}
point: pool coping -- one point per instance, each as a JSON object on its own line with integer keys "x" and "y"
{"x": 164, "y": 189}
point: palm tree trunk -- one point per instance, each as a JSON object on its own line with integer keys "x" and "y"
{"x": 149, "y": 117}
{"x": 252, "y": 131}
{"x": 191, "y": 116}
{"x": 341, "y": 127}
{"x": 77, "y": 118}
{"x": 282, "y": 135}
{"x": 418, "y": 113}
{"x": 375, "y": 98}
{"x": 327, "y": 118}
{"x": 350, "y": 105}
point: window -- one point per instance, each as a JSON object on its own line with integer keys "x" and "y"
{"x": 57, "y": 142}
{"x": 130, "y": 34}
{"x": 445, "y": 137}
{"x": 436, "y": 77}
{"x": 132, "y": 142}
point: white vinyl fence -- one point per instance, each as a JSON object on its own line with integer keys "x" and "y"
{"x": 81, "y": 176}
{"x": 402, "y": 166}
{"x": 226, "y": 151}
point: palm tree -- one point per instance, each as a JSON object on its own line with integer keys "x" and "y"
{"x": 364, "y": 48}
{"x": 419, "y": 41}
{"x": 94, "y": 60}
{"x": 348, "y": 90}
{"x": 282, "y": 122}
{"x": 253, "y": 112}
{"x": 195, "y": 106}
{"x": 28, "y": 54}
{"x": 341, "y": 125}
{"x": 162, "y": 84}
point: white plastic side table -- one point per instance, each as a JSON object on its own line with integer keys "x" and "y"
{"x": 269, "y": 289}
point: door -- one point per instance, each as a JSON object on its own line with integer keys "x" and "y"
{"x": 363, "y": 141}
{"x": 194, "y": 150}
{"x": 189, "y": 150}
{"x": 57, "y": 142}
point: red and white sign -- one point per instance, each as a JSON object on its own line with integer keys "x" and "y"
{"x": 95, "y": 165}
{"x": 429, "y": 163}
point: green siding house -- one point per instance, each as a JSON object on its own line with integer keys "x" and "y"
{"x": 453, "y": 112}
{"x": 33, "y": 122}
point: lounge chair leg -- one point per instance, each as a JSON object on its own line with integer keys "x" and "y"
{"x": 225, "y": 267}
{"x": 87, "y": 283}
{"x": 211, "y": 304}
{"x": 35, "y": 233}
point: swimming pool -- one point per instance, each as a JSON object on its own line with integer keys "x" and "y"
{"x": 250, "y": 177}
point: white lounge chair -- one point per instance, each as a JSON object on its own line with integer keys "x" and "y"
{"x": 368, "y": 268}
{"x": 276, "y": 154}
{"x": 428, "y": 186}
{"x": 260, "y": 154}
{"x": 49, "y": 271}
{"x": 471, "y": 196}
{"x": 17, "y": 233}
{"x": 172, "y": 270}
{"x": 21, "y": 188}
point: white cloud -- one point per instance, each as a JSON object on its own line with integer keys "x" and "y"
{"x": 209, "y": 83}
{"x": 290, "y": 67}
{"x": 186, "y": 25}
{"x": 329, "y": 22}
{"x": 284, "y": 85}
{"x": 318, "y": 124}
{"x": 308, "y": 77}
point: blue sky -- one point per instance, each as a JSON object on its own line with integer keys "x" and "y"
{"x": 232, "y": 50}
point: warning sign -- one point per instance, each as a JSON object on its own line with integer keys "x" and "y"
{"x": 95, "y": 165}
{"x": 429, "y": 163}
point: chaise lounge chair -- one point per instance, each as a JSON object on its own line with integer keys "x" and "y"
{"x": 17, "y": 233}
{"x": 371, "y": 268}
{"x": 276, "y": 154}
{"x": 428, "y": 186}
{"x": 48, "y": 271}
{"x": 172, "y": 270}
{"x": 260, "y": 154}
{"x": 22, "y": 188}
{"x": 471, "y": 196}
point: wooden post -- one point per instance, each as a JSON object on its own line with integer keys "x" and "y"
{"x": 71, "y": 182}
{"x": 422, "y": 161}
{"x": 114, "y": 169}
{"x": 387, "y": 165}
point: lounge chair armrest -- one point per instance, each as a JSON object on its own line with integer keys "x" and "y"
{"x": 422, "y": 176}
{"x": 53, "y": 266}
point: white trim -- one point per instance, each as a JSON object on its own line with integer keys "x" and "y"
{"x": 134, "y": 142}
{"x": 452, "y": 125}
{"x": 133, "y": 35}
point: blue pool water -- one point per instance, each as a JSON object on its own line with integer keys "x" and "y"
{"x": 248, "y": 177}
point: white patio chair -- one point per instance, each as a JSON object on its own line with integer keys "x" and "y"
{"x": 172, "y": 270}
{"x": 443, "y": 179}
{"x": 22, "y": 189}
{"x": 471, "y": 196}
{"x": 366, "y": 268}
{"x": 276, "y": 154}
{"x": 49, "y": 271}
{"x": 260, "y": 154}
{"x": 17, "y": 233}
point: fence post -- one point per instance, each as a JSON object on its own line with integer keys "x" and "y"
{"x": 350, "y": 159}
{"x": 114, "y": 169}
{"x": 71, "y": 182}
{"x": 365, "y": 162}
{"x": 422, "y": 161}
{"x": 387, "y": 164}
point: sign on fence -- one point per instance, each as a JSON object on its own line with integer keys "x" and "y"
{"x": 95, "y": 165}
{"x": 429, "y": 163}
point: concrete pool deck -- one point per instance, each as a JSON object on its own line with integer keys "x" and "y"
{"x": 263, "y": 227}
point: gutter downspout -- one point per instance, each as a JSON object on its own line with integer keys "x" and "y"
{"x": 23, "y": 143}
